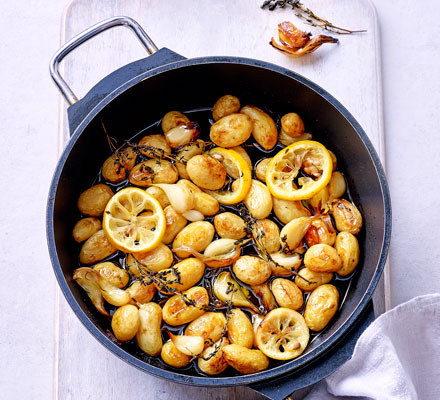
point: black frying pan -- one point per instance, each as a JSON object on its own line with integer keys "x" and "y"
{"x": 136, "y": 96}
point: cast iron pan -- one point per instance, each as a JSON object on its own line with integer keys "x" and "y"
{"x": 136, "y": 96}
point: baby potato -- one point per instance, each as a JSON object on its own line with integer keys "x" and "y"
{"x": 286, "y": 210}
{"x": 172, "y": 356}
{"x": 347, "y": 216}
{"x": 321, "y": 307}
{"x": 153, "y": 171}
{"x": 206, "y": 204}
{"x": 319, "y": 200}
{"x": 125, "y": 322}
{"x": 116, "y": 168}
{"x": 185, "y": 154}
{"x": 196, "y": 235}
{"x": 259, "y": 200}
{"x": 148, "y": 336}
{"x": 336, "y": 186}
{"x": 158, "y": 259}
{"x": 229, "y": 226}
{"x": 85, "y": 228}
{"x": 114, "y": 274}
{"x": 292, "y": 125}
{"x": 213, "y": 365}
{"x": 347, "y": 247}
{"x": 261, "y": 168}
{"x": 288, "y": 263}
{"x": 206, "y": 172}
{"x": 322, "y": 258}
{"x": 190, "y": 272}
{"x": 232, "y": 130}
{"x": 264, "y": 131}
{"x": 321, "y": 231}
{"x": 96, "y": 248}
{"x": 159, "y": 195}
{"x": 157, "y": 141}
{"x": 172, "y": 119}
{"x": 287, "y": 294}
{"x": 225, "y": 105}
{"x": 175, "y": 222}
{"x": 271, "y": 238}
{"x": 141, "y": 292}
{"x": 245, "y": 360}
{"x": 319, "y": 278}
{"x": 92, "y": 201}
{"x": 209, "y": 326}
{"x": 240, "y": 330}
{"x": 251, "y": 270}
{"x": 177, "y": 312}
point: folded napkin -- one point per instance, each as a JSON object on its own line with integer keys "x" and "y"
{"x": 397, "y": 357}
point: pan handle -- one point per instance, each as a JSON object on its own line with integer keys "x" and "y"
{"x": 86, "y": 35}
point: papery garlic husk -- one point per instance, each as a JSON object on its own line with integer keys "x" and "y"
{"x": 293, "y": 232}
{"x": 182, "y": 134}
{"x": 112, "y": 294}
{"x": 189, "y": 345}
{"x": 87, "y": 278}
{"x": 193, "y": 215}
{"x": 179, "y": 196}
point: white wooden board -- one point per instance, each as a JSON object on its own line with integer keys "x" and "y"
{"x": 350, "y": 71}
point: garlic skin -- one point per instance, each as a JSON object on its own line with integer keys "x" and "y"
{"x": 182, "y": 134}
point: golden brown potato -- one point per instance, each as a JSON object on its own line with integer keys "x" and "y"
{"x": 240, "y": 330}
{"x": 347, "y": 247}
{"x": 206, "y": 204}
{"x": 322, "y": 258}
{"x": 259, "y": 200}
{"x": 231, "y": 131}
{"x": 245, "y": 360}
{"x": 116, "y": 168}
{"x": 96, "y": 248}
{"x": 292, "y": 125}
{"x": 196, "y": 235}
{"x": 321, "y": 231}
{"x": 153, "y": 171}
{"x": 251, "y": 270}
{"x": 321, "y": 307}
{"x": 156, "y": 141}
{"x": 185, "y": 153}
{"x": 264, "y": 129}
{"x": 225, "y": 105}
{"x": 159, "y": 195}
{"x": 125, "y": 322}
{"x": 229, "y": 226}
{"x": 188, "y": 271}
{"x": 173, "y": 356}
{"x": 347, "y": 216}
{"x": 92, "y": 201}
{"x": 271, "y": 238}
{"x": 286, "y": 210}
{"x": 175, "y": 223}
{"x": 261, "y": 168}
{"x": 148, "y": 336}
{"x": 206, "y": 172}
{"x": 172, "y": 119}
{"x": 158, "y": 259}
{"x": 287, "y": 294}
{"x": 213, "y": 364}
{"x": 140, "y": 292}
{"x": 114, "y": 274}
{"x": 85, "y": 228}
{"x": 319, "y": 278}
{"x": 209, "y": 326}
{"x": 336, "y": 186}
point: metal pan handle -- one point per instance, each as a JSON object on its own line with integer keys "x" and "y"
{"x": 86, "y": 35}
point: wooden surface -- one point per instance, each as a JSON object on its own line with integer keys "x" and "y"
{"x": 350, "y": 71}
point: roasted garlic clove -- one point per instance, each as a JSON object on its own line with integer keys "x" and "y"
{"x": 182, "y": 134}
{"x": 189, "y": 345}
{"x": 211, "y": 362}
{"x": 292, "y": 233}
{"x": 112, "y": 294}
{"x": 285, "y": 264}
{"x": 266, "y": 296}
{"x": 347, "y": 216}
{"x": 210, "y": 326}
{"x": 321, "y": 231}
{"x": 221, "y": 252}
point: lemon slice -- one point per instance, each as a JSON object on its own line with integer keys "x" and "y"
{"x": 283, "y": 334}
{"x": 134, "y": 221}
{"x": 309, "y": 156}
{"x": 237, "y": 167}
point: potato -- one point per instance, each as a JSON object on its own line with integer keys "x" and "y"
{"x": 175, "y": 223}
{"x": 114, "y": 274}
{"x": 336, "y": 186}
{"x": 209, "y": 326}
{"x": 320, "y": 200}
{"x": 174, "y": 357}
{"x": 321, "y": 231}
{"x": 196, "y": 235}
{"x": 271, "y": 238}
{"x": 321, "y": 307}
{"x": 96, "y": 248}
{"x": 347, "y": 247}
{"x": 261, "y": 168}
{"x": 292, "y": 125}
{"x": 229, "y": 226}
{"x": 259, "y": 200}
{"x": 251, "y": 270}
{"x": 231, "y": 131}
{"x": 286, "y": 210}
{"x": 149, "y": 337}
{"x": 156, "y": 141}
{"x": 185, "y": 154}
{"x": 116, "y": 168}
{"x": 92, "y": 201}
{"x": 188, "y": 271}
{"x": 112, "y": 294}
{"x": 225, "y": 105}
{"x": 334, "y": 159}
{"x": 322, "y": 258}
{"x": 213, "y": 365}
{"x": 177, "y": 312}
{"x": 206, "y": 172}
{"x": 318, "y": 277}
{"x": 172, "y": 119}
{"x": 287, "y": 294}
{"x": 125, "y": 322}
{"x": 85, "y": 228}
{"x": 206, "y": 204}
{"x": 158, "y": 259}
{"x": 153, "y": 171}
{"x": 159, "y": 195}
{"x": 140, "y": 292}
{"x": 347, "y": 216}
{"x": 245, "y": 360}
{"x": 240, "y": 330}
{"x": 264, "y": 131}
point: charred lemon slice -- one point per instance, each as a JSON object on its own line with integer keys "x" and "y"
{"x": 312, "y": 158}
{"x": 283, "y": 334}
{"x": 236, "y": 167}
{"x": 134, "y": 221}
